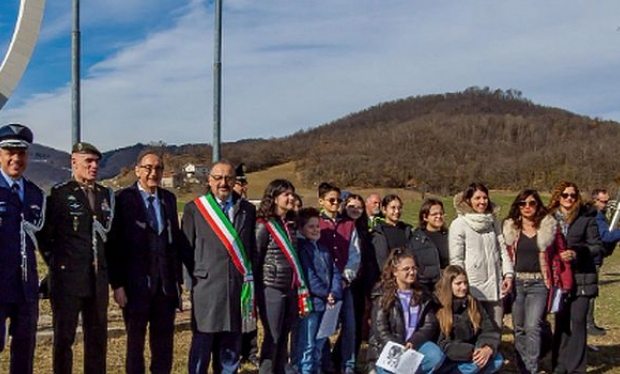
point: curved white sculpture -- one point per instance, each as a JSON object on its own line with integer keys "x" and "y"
{"x": 21, "y": 47}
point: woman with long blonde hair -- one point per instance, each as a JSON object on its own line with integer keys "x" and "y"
{"x": 468, "y": 336}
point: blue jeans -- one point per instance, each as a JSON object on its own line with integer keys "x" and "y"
{"x": 224, "y": 346}
{"x": 433, "y": 358}
{"x": 528, "y": 312}
{"x": 344, "y": 350}
{"x": 308, "y": 347}
{"x": 469, "y": 367}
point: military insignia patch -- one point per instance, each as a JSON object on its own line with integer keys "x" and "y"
{"x": 105, "y": 207}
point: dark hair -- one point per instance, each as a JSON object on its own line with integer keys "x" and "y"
{"x": 471, "y": 190}
{"x": 298, "y": 198}
{"x": 305, "y": 214}
{"x": 149, "y": 151}
{"x": 425, "y": 210}
{"x": 389, "y": 198}
{"x": 515, "y": 213}
{"x": 554, "y": 202}
{"x": 361, "y": 224}
{"x": 267, "y": 207}
{"x": 443, "y": 289}
{"x": 325, "y": 188}
{"x": 388, "y": 281}
{"x": 596, "y": 192}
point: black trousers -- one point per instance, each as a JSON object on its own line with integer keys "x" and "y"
{"x": 156, "y": 312}
{"x": 249, "y": 346}
{"x": 23, "y": 331}
{"x": 66, "y": 311}
{"x": 278, "y": 314}
{"x": 570, "y": 336}
{"x": 590, "y": 319}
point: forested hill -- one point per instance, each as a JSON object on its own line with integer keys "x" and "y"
{"x": 435, "y": 143}
{"x": 442, "y": 142}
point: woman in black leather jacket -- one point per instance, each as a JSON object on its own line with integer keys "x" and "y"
{"x": 583, "y": 244}
{"x": 404, "y": 313}
{"x": 276, "y": 291}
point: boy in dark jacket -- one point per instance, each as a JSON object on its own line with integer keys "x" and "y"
{"x": 325, "y": 286}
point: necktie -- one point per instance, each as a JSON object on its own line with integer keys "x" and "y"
{"x": 152, "y": 214}
{"x": 90, "y": 194}
{"x": 225, "y": 209}
{"x": 15, "y": 189}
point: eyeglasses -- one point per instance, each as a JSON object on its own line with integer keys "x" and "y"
{"x": 408, "y": 269}
{"x": 226, "y": 178}
{"x": 354, "y": 207}
{"x": 531, "y": 203}
{"x": 333, "y": 201}
{"x": 566, "y": 195}
{"x": 151, "y": 168}
{"x": 604, "y": 202}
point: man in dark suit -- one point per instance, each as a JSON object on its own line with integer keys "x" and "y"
{"x": 144, "y": 265}
{"x": 219, "y": 229}
{"x": 79, "y": 216}
{"x": 22, "y": 206}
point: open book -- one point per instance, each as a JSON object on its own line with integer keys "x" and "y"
{"x": 395, "y": 358}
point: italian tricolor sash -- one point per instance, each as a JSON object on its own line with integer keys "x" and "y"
{"x": 281, "y": 238}
{"x": 226, "y": 232}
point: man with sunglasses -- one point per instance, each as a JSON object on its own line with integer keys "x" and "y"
{"x": 610, "y": 238}
{"x": 338, "y": 233}
{"x": 144, "y": 264}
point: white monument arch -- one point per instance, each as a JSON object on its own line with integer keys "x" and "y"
{"x": 22, "y": 45}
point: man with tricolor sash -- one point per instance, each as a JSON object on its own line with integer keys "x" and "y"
{"x": 219, "y": 228}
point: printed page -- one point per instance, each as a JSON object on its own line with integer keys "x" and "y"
{"x": 409, "y": 362}
{"x": 390, "y": 356}
{"x": 329, "y": 322}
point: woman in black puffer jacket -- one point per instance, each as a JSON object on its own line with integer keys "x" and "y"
{"x": 404, "y": 313}
{"x": 274, "y": 277}
{"x": 583, "y": 246}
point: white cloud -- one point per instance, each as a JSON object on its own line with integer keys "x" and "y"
{"x": 290, "y": 65}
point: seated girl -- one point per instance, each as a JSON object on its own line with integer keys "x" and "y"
{"x": 403, "y": 312}
{"x": 468, "y": 336}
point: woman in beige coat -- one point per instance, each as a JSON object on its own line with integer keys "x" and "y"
{"x": 477, "y": 245}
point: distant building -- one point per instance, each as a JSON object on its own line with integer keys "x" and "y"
{"x": 172, "y": 180}
{"x": 194, "y": 173}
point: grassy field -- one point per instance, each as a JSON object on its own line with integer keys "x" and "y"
{"x": 605, "y": 360}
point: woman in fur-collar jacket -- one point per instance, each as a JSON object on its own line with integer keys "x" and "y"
{"x": 535, "y": 244}
{"x": 477, "y": 245}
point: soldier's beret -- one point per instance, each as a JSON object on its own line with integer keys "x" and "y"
{"x": 87, "y": 148}
{"x": 15, "y": 135}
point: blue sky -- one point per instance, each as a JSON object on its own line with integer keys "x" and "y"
{"x": 290, "y": 65}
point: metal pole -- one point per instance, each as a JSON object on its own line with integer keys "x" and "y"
{"x": 217, "y": 81}
{"x": 75, "y": 75}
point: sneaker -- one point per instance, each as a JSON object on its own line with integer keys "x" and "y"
{"x": 594, "y": 330}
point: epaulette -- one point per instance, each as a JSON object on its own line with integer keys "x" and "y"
{"x": 60, "y": 184}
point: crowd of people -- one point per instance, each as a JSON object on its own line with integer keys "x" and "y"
{"x": 350, "y": 266}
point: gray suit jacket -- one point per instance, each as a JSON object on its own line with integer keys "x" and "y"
{"x": 216, "y": 285}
